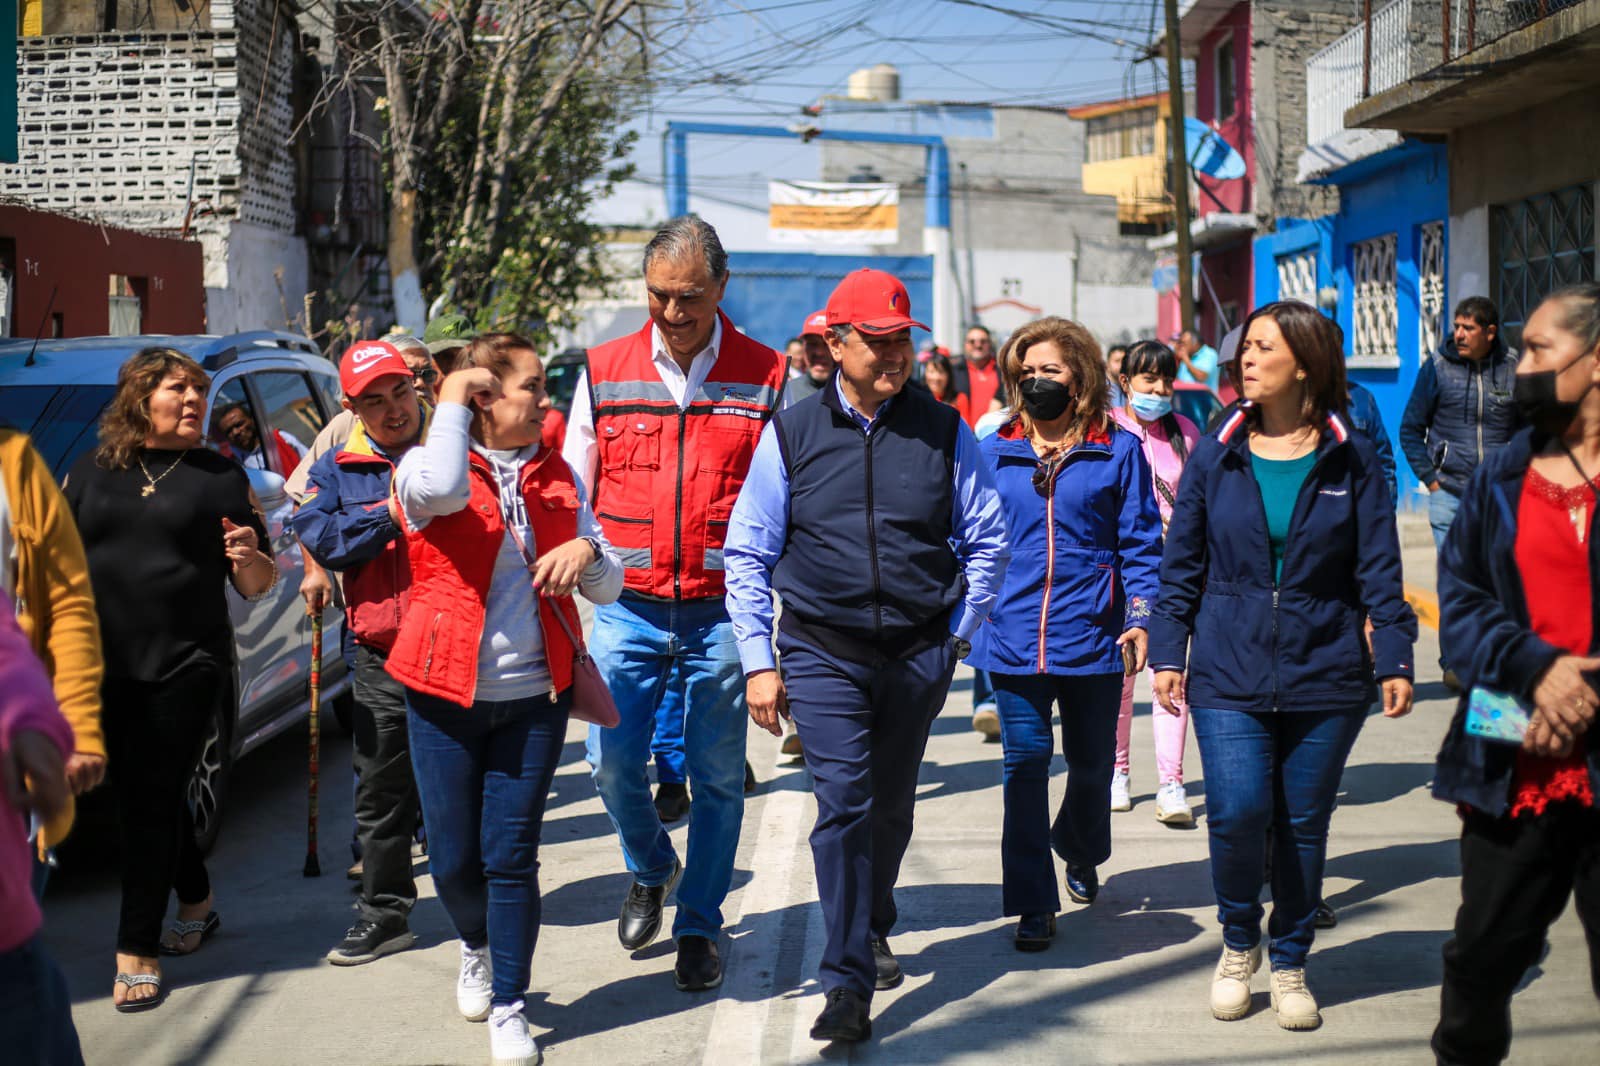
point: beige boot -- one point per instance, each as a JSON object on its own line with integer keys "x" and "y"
{"x": 1230, "y": 985}
{"x": 1296, "y": 1007}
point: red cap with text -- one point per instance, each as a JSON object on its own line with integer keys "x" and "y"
{"x": 366, "y": 362}
{"x": 873, "y": 301}
{"x": 816, "y": 325}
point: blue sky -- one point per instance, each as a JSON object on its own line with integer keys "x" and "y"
{"x": 760, "y": 61}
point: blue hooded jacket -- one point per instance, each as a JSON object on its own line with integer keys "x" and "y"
{"x": 1084, "y": 562}
{"x": 1484, "y": 631}
{"x": 1294, "y": 645}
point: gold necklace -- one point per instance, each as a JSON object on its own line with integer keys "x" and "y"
{"x": 150, "y": 486}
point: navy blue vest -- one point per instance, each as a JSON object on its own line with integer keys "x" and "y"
{"x": 868, "y": 552}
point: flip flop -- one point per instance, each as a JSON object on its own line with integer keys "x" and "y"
{"x": 205, "y": 927}
{"x": 134, "y": 980}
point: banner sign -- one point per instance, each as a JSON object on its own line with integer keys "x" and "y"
{"x": 826, "y": 212}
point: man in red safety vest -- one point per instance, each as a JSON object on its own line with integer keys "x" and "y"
{"x": 662, "y": 428}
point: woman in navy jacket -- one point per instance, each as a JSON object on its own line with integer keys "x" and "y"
{"x": 1085, "y": 548}
{"x": 1281, "y": 546}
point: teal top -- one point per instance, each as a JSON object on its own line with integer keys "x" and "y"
{"x": 1279, "y": 481}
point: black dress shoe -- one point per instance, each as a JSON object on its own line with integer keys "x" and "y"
{"x": 1083, "y": 883}
{"x": 844, "y": 1018}
{"x": 749, "y": 778}
{"x": 640, "y": 919}
{"x": 699, "y": 966}
{"x": 672, "y": 801}
{"x": 889, "y": 972}
{"x": 1035, "y": 931}
{"x": 1326, "y": 918}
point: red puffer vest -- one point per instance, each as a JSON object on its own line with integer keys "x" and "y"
{"x": 452, "y": 561}
{"x": 667, "y": 479}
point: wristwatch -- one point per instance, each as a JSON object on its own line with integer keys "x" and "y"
{"x": 962, "y": 647}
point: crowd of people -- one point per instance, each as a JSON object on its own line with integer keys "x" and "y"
{"x": 812, "y": 542}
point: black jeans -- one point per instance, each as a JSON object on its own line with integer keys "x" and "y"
{"x": 154, "y": 731}
{"x": 386, "y": 792}
{"x": 1516, "y": 875}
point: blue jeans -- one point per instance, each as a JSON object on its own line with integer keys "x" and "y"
{"x": 36, "y": 1009}
{"x": 1442, "y": 507}
{"x": 666, "y": 747}
{"x": 982, "y": 689}
{"x": 1279, "y": 769}
{"x": 484, "y": 774}
{"x": 1081, "y": 831}
{"x": 648, "y": 651}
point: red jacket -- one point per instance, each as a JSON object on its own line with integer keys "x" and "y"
{"x": 666, "y": 479}
{"x": 452, "y": 562}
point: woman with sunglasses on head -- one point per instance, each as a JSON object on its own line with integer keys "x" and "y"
{"x": 1070, "y": 621}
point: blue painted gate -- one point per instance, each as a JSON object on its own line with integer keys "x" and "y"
{"x": 770, "y": 293}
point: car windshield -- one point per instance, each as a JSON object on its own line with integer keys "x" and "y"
{"x": 63, "y": 420}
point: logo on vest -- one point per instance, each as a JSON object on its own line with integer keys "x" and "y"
{"x": 740, "y": 392}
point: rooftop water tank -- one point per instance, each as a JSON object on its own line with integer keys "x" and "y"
{"x": 879, "y": 83}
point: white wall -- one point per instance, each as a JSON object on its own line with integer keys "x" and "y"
{"x": 242, "y": 289}
{"x": 1118, "y": 314}
{"x": 1469, "y": 266}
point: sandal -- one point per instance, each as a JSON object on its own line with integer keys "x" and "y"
{"x": 134, "y": 980}
{"x": 205, "y": 927}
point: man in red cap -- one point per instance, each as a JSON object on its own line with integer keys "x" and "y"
{"x": 873, "y": 516}
{"x": 817, "y": 364}
{"x": 344, "y": 524}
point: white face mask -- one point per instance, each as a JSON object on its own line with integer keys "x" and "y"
{"x": 1150, "y": 407}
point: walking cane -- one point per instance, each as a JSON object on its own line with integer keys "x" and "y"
{"x": 313, "y": 868}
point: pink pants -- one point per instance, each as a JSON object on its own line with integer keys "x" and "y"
{"x": 1171, "y": 732}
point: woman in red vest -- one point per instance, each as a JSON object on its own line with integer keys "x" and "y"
{"x": 500, "y": 536}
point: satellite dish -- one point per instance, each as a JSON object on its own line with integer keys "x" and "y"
{"x": 1209, "y": 154}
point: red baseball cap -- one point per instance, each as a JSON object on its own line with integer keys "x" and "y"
{"x": 816, "y": 325}
{"x": 873, "y": 301}
{"x": 366, "y": 362}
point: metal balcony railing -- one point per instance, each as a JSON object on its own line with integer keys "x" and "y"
{"x": 1345, "y": 72}
{"x": 1469, "y": 24}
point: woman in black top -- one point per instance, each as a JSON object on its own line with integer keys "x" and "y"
{"x": 165, "y": 524}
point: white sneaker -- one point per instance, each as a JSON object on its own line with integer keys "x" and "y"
{"x": 1230, "y": 985}
{"x": 1172, "y": 805}
{"x": 1296, "y": 1006}
{"x": 510, "y": 1043}
{"x": 1120, "y": 800}
{"x": 475, "y": 983}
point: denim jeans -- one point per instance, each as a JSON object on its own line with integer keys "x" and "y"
{"x": 666, "y": 746}
{"x": 982, "y": 689}
{"x": 36, "y": 1009}
{"x": 650, "y": 651}
{"x": 1442, "y": 508}
{"x": 1081, "y": 831}
{"x": 1277, "y": 769}
{"x": 484, "y": 775}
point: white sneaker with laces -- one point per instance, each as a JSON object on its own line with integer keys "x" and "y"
{"x": 1230, "y": 985}
{"x": 1120, "y": 800}
{"x": 510, "y": 1043}
{"x": 1172, "y": 805}
{"x": 475, "y": 983}
{"x": 1296, "y": 1006}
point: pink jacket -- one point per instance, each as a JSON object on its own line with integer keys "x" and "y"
{"x": 1163, "y": 458}
{"x": 26, "y": 702}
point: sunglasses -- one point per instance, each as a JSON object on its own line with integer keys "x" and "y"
{"x": 427, "y": 377}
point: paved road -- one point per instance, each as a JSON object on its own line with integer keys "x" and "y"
{"x": 1126, "y": 981}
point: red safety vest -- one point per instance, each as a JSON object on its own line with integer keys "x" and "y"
{"x": 666, "y": 479}
{"x": 452, "y": 562}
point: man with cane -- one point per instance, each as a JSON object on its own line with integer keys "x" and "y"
{"x": 345, "y": 524}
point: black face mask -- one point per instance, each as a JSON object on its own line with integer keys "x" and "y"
{"x": 1537, "y": 405}
{"x": 1044, "y": 399}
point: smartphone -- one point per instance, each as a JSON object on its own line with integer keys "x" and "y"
{"x": 1130, "y": 660}
{"x": 1497, "y": 716}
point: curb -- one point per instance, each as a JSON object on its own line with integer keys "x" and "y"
{"x": 1426, "y": 604}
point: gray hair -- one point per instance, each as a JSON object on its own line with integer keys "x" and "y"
{"x": 405, "y": 341}
{"x": 685, "y": 234}
{"x": 1581, "y": 302}
{"x": 842, "y": 331}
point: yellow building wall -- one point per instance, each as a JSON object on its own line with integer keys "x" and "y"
{"x": 1138, "y": 182}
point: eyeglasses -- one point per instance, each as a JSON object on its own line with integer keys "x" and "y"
{"x": 427, "y": 376}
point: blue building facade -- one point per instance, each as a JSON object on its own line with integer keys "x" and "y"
{"x": 1378, "y": 267}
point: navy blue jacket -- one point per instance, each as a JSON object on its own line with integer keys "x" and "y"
{"x": 1295, "y": 645}
{"x": 1459, "y": 412}
{"x": 1084, "y": 563}
{"x": 1368, "y": 421}
{"x": 1484, "y": 630}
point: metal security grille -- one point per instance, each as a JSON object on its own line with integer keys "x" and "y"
{"x": 1377, "y": 314}
{"x": 1431, "y": 324}
{"x": 1540, "y": 244}
{"x": 1297, "y": 277}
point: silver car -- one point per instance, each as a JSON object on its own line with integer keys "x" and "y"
{"x": 276, "y": 388}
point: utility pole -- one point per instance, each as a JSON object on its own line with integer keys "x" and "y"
{"x": 1178, "y": 170}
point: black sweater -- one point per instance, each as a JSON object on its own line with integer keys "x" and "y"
{"x": 157, "y": 562}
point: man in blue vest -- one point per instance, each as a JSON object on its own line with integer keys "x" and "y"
{"x": 871, "y": 513}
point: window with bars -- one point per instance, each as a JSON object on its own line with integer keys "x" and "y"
{"x": 1377, "y": 311}
{"x": 1539, "y": 245}
{"x": 1432, "y": 326}
{"x": 1120, "y": 135}
{"x": 1297, "y": 276}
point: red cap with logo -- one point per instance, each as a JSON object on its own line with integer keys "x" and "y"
{"x": 816, "y": 325}
{"x": 873, "y": 301}
{"x": 366, "y": 362}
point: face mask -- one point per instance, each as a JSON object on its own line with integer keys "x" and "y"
{"x": 1537, "y": 405}
{"x": 1044, "y": 399}
{"x": 1150, "y": 407}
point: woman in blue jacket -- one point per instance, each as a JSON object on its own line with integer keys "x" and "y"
{"x": 1281, "y": 546}
{"x": 1085, "y": 549}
